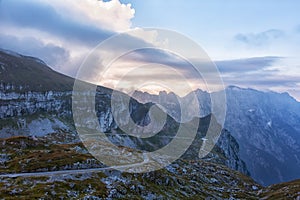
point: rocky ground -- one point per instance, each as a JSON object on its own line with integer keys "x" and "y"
{"x": 184, "y": 179}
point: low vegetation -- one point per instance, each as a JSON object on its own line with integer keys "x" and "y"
{"x": 184, "y": 179}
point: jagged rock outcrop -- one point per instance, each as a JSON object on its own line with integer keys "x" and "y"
{"x": 17, "y": 104}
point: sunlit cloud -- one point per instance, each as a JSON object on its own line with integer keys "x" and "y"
{"x": 71, "y": 28}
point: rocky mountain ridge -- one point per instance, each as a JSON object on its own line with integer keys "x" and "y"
{"x": 265, "y": 124}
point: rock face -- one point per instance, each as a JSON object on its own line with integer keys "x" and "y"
{"x": 37, "y": 107}
{"x": 17, "y": 104}
{"x": 34, "y": 99}
{"x": 231, "y": 149}
{"x": 266, "y": 126}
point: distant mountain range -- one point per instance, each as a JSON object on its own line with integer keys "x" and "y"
{"x": 265, "y": 124}
{"x": 261, "y": 129}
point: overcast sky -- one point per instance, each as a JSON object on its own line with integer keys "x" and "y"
{"x": 254, "y": 44}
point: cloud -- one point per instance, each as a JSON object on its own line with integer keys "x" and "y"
{"x": 161, "y": 57}
{"x": 237, "y": 66}
{"x": 259, "y": 39}
{"x": 263, "y": 80}
{"x": 258, "y": 72}
{"x": 52, "y": 54}
{"x": 265, "y": 73}
{"x": 247, "y": 64}
{"x": 243, "y": 72}
{"x": 69, "y": 28}
{"x": 111, "y": 15}
{"x": 44, "y": 18}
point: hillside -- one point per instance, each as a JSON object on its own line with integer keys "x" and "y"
{"x": 24, "y": 73}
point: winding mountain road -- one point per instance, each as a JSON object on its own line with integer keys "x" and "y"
{"x": 76, "y": 171}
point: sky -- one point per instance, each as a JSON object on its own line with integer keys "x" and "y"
{"x": 254, "y": 44}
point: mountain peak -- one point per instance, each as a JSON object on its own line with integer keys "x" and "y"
{"x": 9, "y": 52}
{"x": 31, "y": 74}
{"x": 237, "y": 88}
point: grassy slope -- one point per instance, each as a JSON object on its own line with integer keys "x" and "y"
{"x": 32, "y": 74}
{"x": 188, "y": 178}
